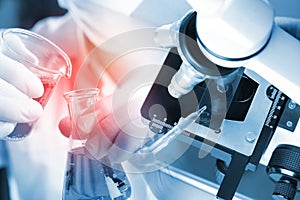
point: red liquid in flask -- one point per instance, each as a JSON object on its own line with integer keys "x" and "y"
{"x": 48, "y": 90}
{"x": 22, "y": 130}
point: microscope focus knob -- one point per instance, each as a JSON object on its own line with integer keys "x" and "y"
{"x": 285, "y": 161}
{"x": 284, "y": 191}
{"x": 284, "y": 169}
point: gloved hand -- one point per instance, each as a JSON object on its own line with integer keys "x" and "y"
{"x": 18, "y": 85}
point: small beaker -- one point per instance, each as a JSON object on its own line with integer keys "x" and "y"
{"x": 42, "y": 57}
{"x": 87, "y": 177}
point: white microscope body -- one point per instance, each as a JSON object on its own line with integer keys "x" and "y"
{"x": 241, "y": 34}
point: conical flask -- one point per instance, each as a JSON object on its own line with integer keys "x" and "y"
{"x": 87, "y": 177}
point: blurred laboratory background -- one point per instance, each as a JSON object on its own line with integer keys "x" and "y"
{"x": 24, "y": 13}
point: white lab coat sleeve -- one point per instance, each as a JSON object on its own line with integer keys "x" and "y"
{"x": 61, "y": 30}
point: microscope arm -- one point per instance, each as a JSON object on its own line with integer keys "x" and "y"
{"x": 279, "y": 63}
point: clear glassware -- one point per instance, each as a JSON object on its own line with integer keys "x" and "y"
{"x": 87, "y": 177}
{"x": 40, "y": 56}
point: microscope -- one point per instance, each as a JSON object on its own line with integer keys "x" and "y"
{"x": 230, "y": 56}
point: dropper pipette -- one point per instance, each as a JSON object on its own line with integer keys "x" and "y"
{"x": 173, "y": 133}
